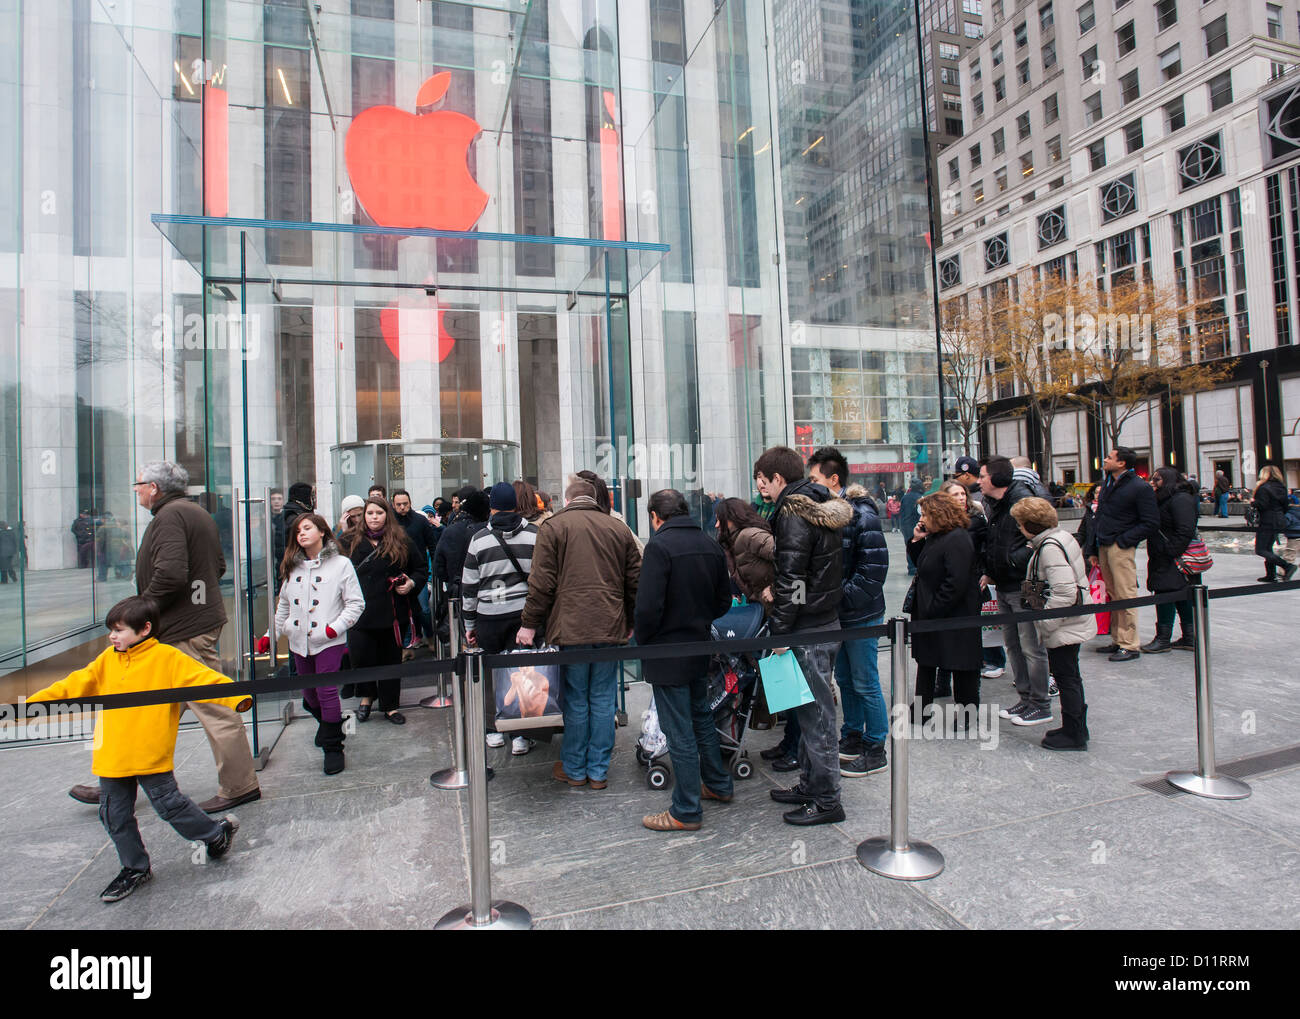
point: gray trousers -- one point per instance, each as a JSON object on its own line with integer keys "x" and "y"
{"x": 1025, "y": 654}
{"x": 819, "y": 746}
{"x": 117, "y": 814}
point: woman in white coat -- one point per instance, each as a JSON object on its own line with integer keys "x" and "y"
{"x": 320, "y": 599}
{"x": 1055, "y": 578}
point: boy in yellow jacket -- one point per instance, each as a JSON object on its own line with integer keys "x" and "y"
{"x": 136, "y": 745}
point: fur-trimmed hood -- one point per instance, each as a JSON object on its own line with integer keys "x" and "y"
{"x": 830, "y": 512}
{"x": 329, "y": 548}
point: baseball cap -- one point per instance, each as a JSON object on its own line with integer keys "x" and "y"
{"x": 966, "y": 465}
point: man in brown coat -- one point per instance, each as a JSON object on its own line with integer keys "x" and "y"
{"x": 179, "y": 565}
{"x": 582, "y": 590}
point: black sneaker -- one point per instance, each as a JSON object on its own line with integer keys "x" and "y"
{"x": 791, "y": 795}
{"x": 812, "y": 814}
{"x": 124, "y": 884}
{"x": 871, "y": 760}
{"x": 774, "y": 753}
{"x": 1032, "y": 716}
{"x": 1109, "y": 649}
{"x": 1125, "y": 655}
{"x": 220, "y": 846}
{"x": 852, "y": 746}
{"x": 1052, "y": 689}
{"x": 1015, "y": 710}
{"x": 790, "y": 763}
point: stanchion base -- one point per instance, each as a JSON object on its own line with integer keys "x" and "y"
{"x": 436, "y": 701}
{"x": 1217, "y": 787}
{"x": 449, "y": 778}
{"x": 506, "y": 916}
{"x": 917, "y": 862}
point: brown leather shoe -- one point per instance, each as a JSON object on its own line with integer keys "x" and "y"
{"x": 709, "y": 794}
{"x": 597, "y": 783}
{"x": 85, "y": 794}
{"x": 219, "y": 803}
{"x": 557, "y": 773}
{"x": 666, "y": 822}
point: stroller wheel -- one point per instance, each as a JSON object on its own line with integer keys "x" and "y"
{"x": 741, "y": 767}
{"x": 658, "y": 777}
{"x": 640, "y": 755}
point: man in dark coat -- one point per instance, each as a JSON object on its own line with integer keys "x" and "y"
{"x": 449, "y": 556}
{"x": 806, "y": 525}
{"x": 909, "y": 515}
{"x": 1126, "y": 516}
{"x": 857, "y": 674}
{"x": 420, "y": 531}
{"x": 683, "y": 587}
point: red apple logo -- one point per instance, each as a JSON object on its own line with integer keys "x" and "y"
{"x": 411, "y": 170}
{"x": 416, "y": 334}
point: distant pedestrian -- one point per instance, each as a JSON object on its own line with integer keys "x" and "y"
{"x": 8, "y": 553}
{"x": 1176, "y": 500}
{"x": 908, "y": 515}
{"x": 1221, "y": 489}
{"x": 1270, "y": 502}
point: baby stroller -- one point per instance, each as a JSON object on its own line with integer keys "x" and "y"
{"x": 733, "y": 686}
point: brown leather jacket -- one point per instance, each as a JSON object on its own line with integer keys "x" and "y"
{"x": 582, "y": 587}
{"x": 180, "y": 565}
{"x": 753, "y": 560}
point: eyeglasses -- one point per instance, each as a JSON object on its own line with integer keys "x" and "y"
{"x": 137, "y": 484}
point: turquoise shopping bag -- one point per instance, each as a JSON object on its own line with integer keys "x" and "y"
{"x": 783, "y": 682}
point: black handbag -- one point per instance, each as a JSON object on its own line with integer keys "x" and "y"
{"x": 1034, "y": 593}
{"x": 909, "y": 599}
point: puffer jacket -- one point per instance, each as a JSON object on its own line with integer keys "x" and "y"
{"x": 1058, "y": 560}
{"x": 320, "y": 592}
{"x": 806, "y": 523}
{"x": 752, "y": 556}
{"x": 583, "y": 580}
{"x": 1006, "y": 552}
{"x": 1270, "y": 499}
{"x": 1178, "y": 515}
{"x": 866, "y": 561}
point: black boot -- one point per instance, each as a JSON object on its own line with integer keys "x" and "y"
{"x": 1161, "y": 642}
{"x": 314, "y": 712}
{"x": 329, "y": 737}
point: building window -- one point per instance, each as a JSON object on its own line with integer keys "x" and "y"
{"x": 975, "y": 157}
{"x": 1216, "y": 35}
{"x": 996, "y": 253}
{"x": 1088, "y": 61}
{"x": 1026, "y": 165}
{"x": 954, "y": 170}
{"x": 999, "y": 142}
{"x": 1277, "y": 246}
{"x": 1051, "y": 227}
{"x": 1057, "y": 184}
{"x": 1274, "y": 21}
{"x": 1022, "y": 72}
{"x": 1022, "y": 35}
{"x": 1199, "y": 162}
{"x": 953, "y": 127}
{"x": 999, "y": 90}
{"x": 1051, "y": 112}
{"x": 1175, "y": 115}
{"x": 1126, "y": 39}
{"x": 976, "y": 72}
{"x": 1133, "y": 136}
{"x": 1049, "y": 54}
{"x": 1087, "y": 18}
{"x": 1022, "y": 125}
{"x": 1097, "y": 154}
{"x": 975, "y": 7}
{"x": 949, "y": 272}
{"x": 1128, "y": 87}
{"x": 996, "y": 50}
{"x": 973, "y": 30}
{"x": 1118, "y": 198}
{"x": 1171, "y": 63}
{"x": 1281, "y": 116}
{"x": 1166, "y": 14}
{"x": 1092, "y": 108}
{"x": 1221, "y": 90}
{"x": 1054, "y": 149}
{"x": 1000, "y": 175}
{"x": 1275, "y": 70}
{"x": 951, "y": 103}
{"x": 1045, "y": 17}
{"x": 977, "y": 191}
{"x": 977, "y": 104}
{"x": 949, "y": 51}
{"x": 949, "y": 76}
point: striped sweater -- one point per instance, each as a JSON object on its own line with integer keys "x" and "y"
{"x": 490, "y": 585}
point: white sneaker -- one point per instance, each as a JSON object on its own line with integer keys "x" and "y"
{"x": 992, "y": 672}
{"x": 495, "y": 739}
{"x": 520, "y": 745}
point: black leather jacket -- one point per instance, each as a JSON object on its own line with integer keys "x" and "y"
{"x": 806, "y": 523}
{"x": 1006, "y": 550}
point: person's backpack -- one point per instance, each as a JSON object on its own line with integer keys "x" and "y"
{"x": 1292, "y": 528}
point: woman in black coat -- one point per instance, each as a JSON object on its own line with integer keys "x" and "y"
{"x": 388, "y": 568}
{"x": 1178, "y": 502}
{"x": 1270, "y": 503}
{"x": 947, "y": 586}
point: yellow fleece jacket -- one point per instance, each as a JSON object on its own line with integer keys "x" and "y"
{"x": 137, "y": 741}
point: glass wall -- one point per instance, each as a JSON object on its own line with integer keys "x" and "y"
{"x": 646, "y": 237}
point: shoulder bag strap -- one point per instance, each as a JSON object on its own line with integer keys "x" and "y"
{"x": 509, "y": 552}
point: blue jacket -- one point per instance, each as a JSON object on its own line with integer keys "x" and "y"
{"x": 1126, "y": 513}
{"x": 866, "y": 561}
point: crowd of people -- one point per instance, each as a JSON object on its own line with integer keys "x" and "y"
{"x": 810, "y": 550}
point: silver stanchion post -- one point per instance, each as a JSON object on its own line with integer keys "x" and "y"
{"x": 893, "y": 855}
{"x": 481, "y": 913}
{"x": 440, "y": 699}
{"x": 457, "y": 776}
{"x": 1205, "y": 781}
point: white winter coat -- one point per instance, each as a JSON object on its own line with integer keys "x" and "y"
{"x": 319, "y": 592}
{"x": 1067, "y": 582}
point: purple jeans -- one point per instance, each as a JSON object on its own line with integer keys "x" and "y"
{"x": 324, "y": 699}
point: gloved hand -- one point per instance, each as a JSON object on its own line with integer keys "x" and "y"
{"x": 329, "y": 632}
{"x": 263, "y": 645}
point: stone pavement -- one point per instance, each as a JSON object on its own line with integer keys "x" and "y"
{"x": 1032, "y": 839}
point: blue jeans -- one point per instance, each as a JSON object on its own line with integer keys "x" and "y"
{"x": 590, "y": 696}
{"x": 1223, "y": 505}
{"x": 858, "y": 676}
{"x": 687, "y": 722}
{"x": 117, "y": 814}
{"x": 996, "y": 655}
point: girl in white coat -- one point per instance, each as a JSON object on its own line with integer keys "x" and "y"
{"x": 320, "y": 599}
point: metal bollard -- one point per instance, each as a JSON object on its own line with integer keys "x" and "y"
{"x": 1205, "y": 781}
{"x": 481, "y": 913}
{"x": 440, "y": 699}
{"x": 894, "y": 856}
{"x": 457, "y": 776}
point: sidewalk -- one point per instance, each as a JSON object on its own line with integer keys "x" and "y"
{"x": 1032, "y": 839}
